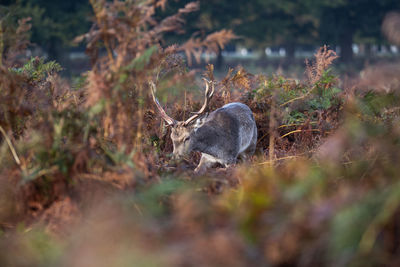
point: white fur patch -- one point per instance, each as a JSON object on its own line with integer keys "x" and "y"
{"x": 210, "y": 158}
{"x": 198, "y": 123}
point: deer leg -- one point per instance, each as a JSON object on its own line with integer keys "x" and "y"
{"x": 206, "y": 162}
{"x": 243, "y": 157}
{"x": 246, "y": 155}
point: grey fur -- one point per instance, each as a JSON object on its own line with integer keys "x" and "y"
{"x": 220, "y": 136}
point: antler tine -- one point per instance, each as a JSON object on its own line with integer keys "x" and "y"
{"x": 207, "y": 96}
{"x": 162, "y": 112}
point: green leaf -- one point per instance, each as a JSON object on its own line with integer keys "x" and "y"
{"x": 97, "y": 108}
{"x": 140, "y": 62}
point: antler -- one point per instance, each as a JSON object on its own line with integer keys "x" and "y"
{"x": 162, "y": 112}
{"x": 208, "y": 95}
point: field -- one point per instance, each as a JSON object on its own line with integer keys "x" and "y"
{"x": 87, "y": 177}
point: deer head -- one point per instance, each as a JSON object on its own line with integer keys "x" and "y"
{"x": 182, "y": 131}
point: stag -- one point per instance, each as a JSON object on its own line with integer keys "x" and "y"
{"x": 221, "y": 136}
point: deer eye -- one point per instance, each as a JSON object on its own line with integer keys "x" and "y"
{"x": 186, "y": 138}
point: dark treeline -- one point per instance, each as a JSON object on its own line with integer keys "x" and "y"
{"x": 258, "y": 24}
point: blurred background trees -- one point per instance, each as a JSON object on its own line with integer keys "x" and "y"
{"x": 344, "y": 23}
{"x": 54, "y": 23}
{"x": 261, "y": 25}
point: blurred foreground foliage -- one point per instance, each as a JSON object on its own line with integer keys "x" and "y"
{"x": 86, "y": 180}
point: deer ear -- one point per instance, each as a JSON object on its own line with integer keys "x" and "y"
{"x": 199, "y": 122}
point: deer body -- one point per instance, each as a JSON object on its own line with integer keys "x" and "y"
{"x": 221, "y": 136}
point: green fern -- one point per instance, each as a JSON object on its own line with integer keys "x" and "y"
{"x": 37, "y": 70}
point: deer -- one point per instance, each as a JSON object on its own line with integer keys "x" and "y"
{"x": 221, "y": 136}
